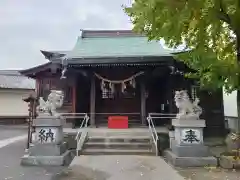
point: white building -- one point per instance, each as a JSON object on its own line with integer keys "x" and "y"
{"x": 230, "y": 104}
{"x": 13, "y": 88}
{"x": 230, "y": 109}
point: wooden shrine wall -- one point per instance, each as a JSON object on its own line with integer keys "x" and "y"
{"x": 213, "y": 112}
{"x": 46, "y": 83}
{"x": 211, "y": 102}
{"x": 158, "y": 91}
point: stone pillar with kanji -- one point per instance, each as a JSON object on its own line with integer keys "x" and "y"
{"x": 187, "y": 147}
{"x": 48, "y": 146}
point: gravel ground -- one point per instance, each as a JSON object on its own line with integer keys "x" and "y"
{"x": 209, "y": 174}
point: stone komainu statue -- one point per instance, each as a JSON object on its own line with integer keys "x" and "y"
{"x": 49, "y": 107}
{"x": 187, "y": 109}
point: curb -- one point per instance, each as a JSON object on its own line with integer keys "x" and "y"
{"x": 14, "y": 126}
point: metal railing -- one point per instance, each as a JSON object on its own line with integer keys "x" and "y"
{"x": 81, "y": 135}
{"x": 162, "y": 115}
{"x": 152, "y": 128}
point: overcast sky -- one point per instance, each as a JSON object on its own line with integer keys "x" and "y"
{"x": 28, "y": 26}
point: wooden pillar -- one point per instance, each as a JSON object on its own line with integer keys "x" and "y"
{"x": 171, "y": 94}
{"x": 37, "y": 86}
{"x": 92, "y": 101}
{"x": 143, "y": 102}
{"x": 74, "y": 96}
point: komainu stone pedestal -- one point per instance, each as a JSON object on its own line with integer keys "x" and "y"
{"x": 48, "y": 148}
{"x": 187, "y": 148}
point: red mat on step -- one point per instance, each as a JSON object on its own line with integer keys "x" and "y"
{"x": 118, "y": 122}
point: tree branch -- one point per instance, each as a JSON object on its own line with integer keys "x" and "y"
{"x": 223, "y": 15}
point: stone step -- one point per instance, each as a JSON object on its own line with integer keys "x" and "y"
{"x": 129, "y": 121}
{"x": 118, "y": 145}
{"x": 119, "y": 133}
{"x": 130, "y": 116}
{"x": 117, "y": 152}
{"x": 130, "y": 125}
{"x": 119, "y": 139}
{"x": 132, "y": 122}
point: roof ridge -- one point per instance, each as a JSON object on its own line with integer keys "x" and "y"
{"x": 110, "y": 37}
{"x": 105, "y": 30}
{"x": 10, "y": 72}
{"x": 109, "y": 33}
{"x": 16, "y": 81}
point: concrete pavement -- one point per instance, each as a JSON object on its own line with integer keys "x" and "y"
{"x": 10, "y": 167}
{"x": 12, "y": 147}
{"x": 115, "y": 167}
{"x": 106, "y": 167}
{"x": 8, "y": 141}
{"x": 13, "y": 143}
{"x": 9, "y": 132}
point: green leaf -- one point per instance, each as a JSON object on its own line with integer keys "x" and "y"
{"x": 206, "y": 26}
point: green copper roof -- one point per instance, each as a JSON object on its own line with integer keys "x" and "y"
{"x": 128, "y": 46}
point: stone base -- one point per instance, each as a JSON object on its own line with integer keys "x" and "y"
{"x": 189, "y": 161}
{"x": 51, "y": 126}
{"x": 48, "y": 149}
{"x": 191, "y": 151}
{"x": 64, "y": 159}
{"x": 49, "y": 121}
{"x": 192, "y": 123}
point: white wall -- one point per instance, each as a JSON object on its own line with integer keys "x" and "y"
{"x": 230, "y": 104}
{"x": 11, "y": 103}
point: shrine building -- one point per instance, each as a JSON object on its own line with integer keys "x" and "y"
{"x": 118, "y": 72}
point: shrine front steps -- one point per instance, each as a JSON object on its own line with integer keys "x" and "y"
{"x": 134, "y": 120}
{"x": 117, "y": 152}
{"x": 131, "y": 123}
{"x": 118, "y": 145}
